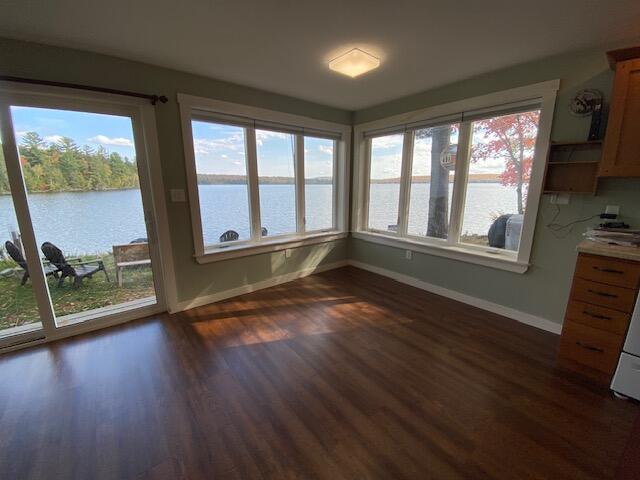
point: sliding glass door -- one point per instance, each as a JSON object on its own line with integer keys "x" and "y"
{"x": 84, "y": 217}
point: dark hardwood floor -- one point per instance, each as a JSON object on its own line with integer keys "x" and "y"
{"x": 342, "y": 375}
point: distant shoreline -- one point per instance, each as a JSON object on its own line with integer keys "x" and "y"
{"x": 74, "y": 191}
{"x": 210, "y": 179}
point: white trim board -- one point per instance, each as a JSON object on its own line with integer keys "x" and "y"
{"x": 522, "y": 317}
{"x": 252, "y": 287}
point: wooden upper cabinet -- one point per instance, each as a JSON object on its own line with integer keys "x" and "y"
{"x": 621, "y": 152}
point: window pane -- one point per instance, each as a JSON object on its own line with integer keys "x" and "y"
{"x": 276, "y": 175}
{"x": 318, "y": 183}
{"x": 384, "y": 182}
{"x": 18, "y": 308}
{"x": 434, "y": 159}
{"x": 222, "y": 181}
{"x": 502, "y": 151}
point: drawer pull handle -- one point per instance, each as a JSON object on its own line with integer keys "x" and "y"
{"x": 608, "y": 270}
{"x": 603, "y": 294}
{"x": 595, "y": 315}
{"x": 590, "y": 347}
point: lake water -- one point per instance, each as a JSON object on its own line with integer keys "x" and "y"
{"x": 92, "y": 222}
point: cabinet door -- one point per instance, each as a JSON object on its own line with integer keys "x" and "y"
{"x": 621, "y": 154}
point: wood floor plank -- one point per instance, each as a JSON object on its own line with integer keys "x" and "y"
{"x": 340, "y": 375}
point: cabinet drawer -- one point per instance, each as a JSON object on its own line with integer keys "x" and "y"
{"x": 588, "y": 346}
{"x": 608, "y": 270}
{"x": 617, "y": 298}
{"x": 598, "y": 317}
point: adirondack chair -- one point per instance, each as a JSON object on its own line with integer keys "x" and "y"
{"x": 265, "y": 232}
{"x": 78, "y": 271}
{"x": 229, "y": 236}
{"x": 15, "y": 253}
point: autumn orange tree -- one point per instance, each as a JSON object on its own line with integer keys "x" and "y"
{"x": 511, "y": 138}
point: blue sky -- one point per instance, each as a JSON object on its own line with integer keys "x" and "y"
{"x": 114, "y": 133}
{"x": 220, "y": 150}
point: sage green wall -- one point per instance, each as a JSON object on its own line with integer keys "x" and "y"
{"x": 65, "y": 65}
{"x": 543, "y": 290}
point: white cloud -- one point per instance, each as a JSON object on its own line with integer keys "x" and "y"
{"x": 207, "y": 146}
{"x": 117, "y": 141}
{"x": 262, "y": 135}
{"x": 325, "y": 149}
{"x": 53, "y": 138}
{"x": 390, "y": 141}
{"x": 488, "y": 165}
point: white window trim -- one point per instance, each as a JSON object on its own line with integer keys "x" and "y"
{"x": 543, "y": 93}
{"x": 190, "y": 104}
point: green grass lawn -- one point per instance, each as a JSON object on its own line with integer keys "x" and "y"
{"x": 18, "y": 305}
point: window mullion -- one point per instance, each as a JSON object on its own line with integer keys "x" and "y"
{"x": 253, "y": 183}
{"x": 405, "y": 183}
{"x": 365, "y": 184}
{"x": 299, "y": 183}
{"x": 337, "y": 191}
{"x": 21, "y": 205}
{"x": 460, "y": 183}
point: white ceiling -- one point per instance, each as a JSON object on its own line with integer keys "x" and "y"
{"x": 284, "y": 46}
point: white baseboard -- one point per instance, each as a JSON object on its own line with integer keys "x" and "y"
{"x": 270, "y": 282}
{"x": 509, "y": 312}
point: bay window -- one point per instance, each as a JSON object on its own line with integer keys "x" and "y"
{"x": 261, "y": 180}
{"x": 460, "y": 180}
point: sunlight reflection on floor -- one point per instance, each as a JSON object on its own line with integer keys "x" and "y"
{"x": 298, "y": 308}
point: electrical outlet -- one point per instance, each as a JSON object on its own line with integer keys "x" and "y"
{"x": 287, "y": 253}
{"x": 408, "y": 254}
{"x": 559, "y": 199}
{"x": 612, "y": 209}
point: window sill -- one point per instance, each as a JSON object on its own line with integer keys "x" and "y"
{"x": 501, "y": 261}
{"x": 217, "y": 254}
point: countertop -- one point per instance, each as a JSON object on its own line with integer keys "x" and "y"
{"x": 617, "y": 251}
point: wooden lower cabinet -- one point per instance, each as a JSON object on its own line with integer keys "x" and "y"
{"x": 591, "y": 347}
{"x": 602, "y": 297}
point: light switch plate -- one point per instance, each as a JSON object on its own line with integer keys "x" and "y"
{"x": 178, "y": 195}
{"x": 408, "y": 254}
{"x": 287, "y": 253}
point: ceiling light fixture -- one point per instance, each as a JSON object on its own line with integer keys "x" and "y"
{"x": 354, "y": 63}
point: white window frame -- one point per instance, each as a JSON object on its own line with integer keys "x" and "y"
{"x": 298, "y": 125}
{"x": 542, "y": 94}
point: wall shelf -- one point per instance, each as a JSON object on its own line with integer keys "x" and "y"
{"x": 572, "y": 167}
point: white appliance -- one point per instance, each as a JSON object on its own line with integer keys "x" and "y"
{"x": 627, "y": 377}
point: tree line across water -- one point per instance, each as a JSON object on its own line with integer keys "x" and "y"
{"x": 64, "y": 166}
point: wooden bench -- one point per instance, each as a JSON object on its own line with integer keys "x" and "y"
{"x": 130, "y": 255}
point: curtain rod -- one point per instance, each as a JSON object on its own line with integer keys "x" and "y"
{"x": 154, "y": 99}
